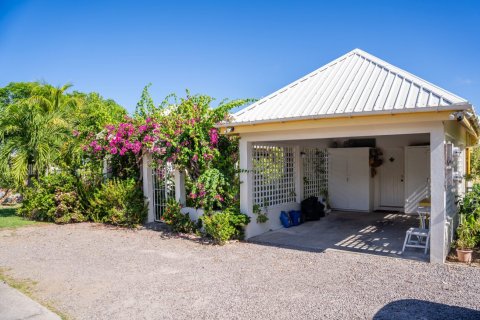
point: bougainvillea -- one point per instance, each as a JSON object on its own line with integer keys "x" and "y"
{"x": 182, "y": 133}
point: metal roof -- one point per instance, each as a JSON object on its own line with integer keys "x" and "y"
{"x": 357, "y": 83}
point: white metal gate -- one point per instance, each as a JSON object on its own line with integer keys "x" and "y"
{"x": 163, "y": 190}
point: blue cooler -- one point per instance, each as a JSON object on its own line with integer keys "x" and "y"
{"x": 296, "y": 217}
{"x": 285, "y": 219}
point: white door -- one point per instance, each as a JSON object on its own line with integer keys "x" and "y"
{"x": 358, "y": 177}
{"x": 391, "y": 176}
{"x": 349, "y": 179}
{"x": 337, "y": 179}
{"x": 417, "y": 176}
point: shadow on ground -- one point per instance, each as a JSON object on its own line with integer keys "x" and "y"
{"x": 419, "y": 309}
{"x": 376, "y": 233}
{"x": 167, "y": 233}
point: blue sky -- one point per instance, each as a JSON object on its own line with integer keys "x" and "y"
{"x": 231, "y": 49}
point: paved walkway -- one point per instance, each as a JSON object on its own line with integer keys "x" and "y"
{"x": 365, "y": 232}
{"x": 17, "y": 306}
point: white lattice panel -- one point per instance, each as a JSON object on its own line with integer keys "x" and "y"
{"x": 315, "y": 171}
{"x": 273, "y": 175}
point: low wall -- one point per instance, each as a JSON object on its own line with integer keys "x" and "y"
{"x": 193, "y": 212}
{"x": 254, "y": 229}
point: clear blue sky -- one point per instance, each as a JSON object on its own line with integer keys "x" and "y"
{"x": 231, "y": 49}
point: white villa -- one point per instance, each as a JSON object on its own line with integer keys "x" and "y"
{"x": 369, "y": 135}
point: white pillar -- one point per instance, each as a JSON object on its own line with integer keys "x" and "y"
{"x": 246, "y": 184}
{"x": 437, "y": 175}
{"x": 180, "y": 187}
{"x": 298, "y": 174}
{"x": 148, "y": 186}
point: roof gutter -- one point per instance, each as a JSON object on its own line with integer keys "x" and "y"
{"x": 462, "y": 106}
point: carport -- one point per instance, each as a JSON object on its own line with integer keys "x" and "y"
{"x": 371, "y": 138}
{"x": 379, "y": 233}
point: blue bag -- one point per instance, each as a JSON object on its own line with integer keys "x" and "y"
{"x": 285, "y": 219}
{"x": 295, "y": 217}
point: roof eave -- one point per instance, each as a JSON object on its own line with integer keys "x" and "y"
{"x": 462, "y": 106}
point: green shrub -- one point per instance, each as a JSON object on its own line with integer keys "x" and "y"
{"x": 53, "y": 198}
{"x": 226, "y": 225}
{"x": 468, "y": 232}
{"x": 118, "y": 202}
{"x": 176, "y": 219}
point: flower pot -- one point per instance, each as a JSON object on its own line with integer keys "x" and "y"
{"x": 464, "y": 255}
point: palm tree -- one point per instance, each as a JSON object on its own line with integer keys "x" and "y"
{"x": 33, "y": 131}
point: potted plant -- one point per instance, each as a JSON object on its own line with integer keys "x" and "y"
{"x": 466, "y": 241}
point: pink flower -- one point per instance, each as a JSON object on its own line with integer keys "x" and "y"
{"x": 213, "y": 133}
{"x": 113, "y": 150}
{"x": 193, "y": 195}
{"x": 142, "y": 128}
{"x": 75, "y": 133}
{"x": 195, "y": 157}
{"x": 148, "y": 138}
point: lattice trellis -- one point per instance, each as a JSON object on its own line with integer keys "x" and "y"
{"x": 163, "y": 189}
{"x": 273, "y": 175}
{"x": 315, "y": 171}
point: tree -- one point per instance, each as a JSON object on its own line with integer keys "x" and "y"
{"x": 33, "y": 130}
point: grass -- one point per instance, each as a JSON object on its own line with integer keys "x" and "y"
{"x": 27, "y": 287}
{"x": 8, "y": 218}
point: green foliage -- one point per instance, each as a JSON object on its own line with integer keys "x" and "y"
{"x": 176, "y": 219}
{"x": 145, "y": 107}
{"x": 119, "y": 202}
{"x": 262, "y": 217}
{"x": 53, "y": 198}
{"x": 32, "y": 133}
{"x": 468, "y": 231}
{"x": 43, "y": 127}
{"x": 475, "y": 163}
{"x": 467, "y": 235}
{"x": 210, "y": 190}
{"x": 225, "y": 225}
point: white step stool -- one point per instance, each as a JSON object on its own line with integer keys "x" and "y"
{"x": 422, "y": 239}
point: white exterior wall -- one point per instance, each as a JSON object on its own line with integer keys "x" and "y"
{"x": 457, "y": 135}
{"x": 435, "y": 130}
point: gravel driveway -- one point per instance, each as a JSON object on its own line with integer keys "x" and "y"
{"x": 91, "y": 271}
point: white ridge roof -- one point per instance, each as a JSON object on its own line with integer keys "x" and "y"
{"x": 354, "y": 84}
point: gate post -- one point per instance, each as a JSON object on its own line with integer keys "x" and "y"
{"x": 148, "y": 185}
{"x": 180, "y": 187}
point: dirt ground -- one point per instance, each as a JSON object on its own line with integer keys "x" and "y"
{"x": 90, "y": 271}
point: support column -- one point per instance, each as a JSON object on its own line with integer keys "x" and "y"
{"x": 438, "y": 213}
{"x": 180, "y": 190}
{"x": 148, "y": 186}
{"x": 246, "y": 184}
{"x": 298, "y": 174}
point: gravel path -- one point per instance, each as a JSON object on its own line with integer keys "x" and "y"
{"x": 91, "y": 271}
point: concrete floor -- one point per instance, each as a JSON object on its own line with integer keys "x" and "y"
{"x": 376, "y": 233}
